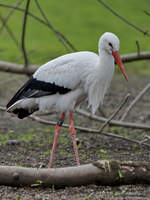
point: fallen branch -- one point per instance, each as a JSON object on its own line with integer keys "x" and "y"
{"x": 137, "y": 98}
{"x": 100, "y": 173}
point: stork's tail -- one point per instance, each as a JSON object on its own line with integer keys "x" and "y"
{"x": 20, "y": 111}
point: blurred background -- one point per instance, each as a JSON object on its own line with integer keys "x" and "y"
{"x": 82, "y": 23}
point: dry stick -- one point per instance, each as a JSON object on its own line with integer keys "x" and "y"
{"x": 9, "y": 32}
{"x": 88, "y": 130}
{"x": 115, "y": 113}
{"x": 23, "y": 34}
{"x": 113, "y": 122}
{"x": 123, "y": 19}
{"x": 43, "y": 22}
{"x": 134, "y": 101}
{"x": 60, "y": 38}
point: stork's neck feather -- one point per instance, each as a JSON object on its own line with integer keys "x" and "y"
{"x": 105, "y": 65}
{"x": 103, "y": 74}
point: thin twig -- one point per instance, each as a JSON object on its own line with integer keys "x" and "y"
{"x": 113, "y": 122}
{"x": 146, "y": 12}
{"x": 137, "y": 98}
{"x": 9, "y": 32}
{"x": 9, "y": 14}
{"x": 23, "y": 34}
{"x": 123, "y": 19}
{"x": 115, "y": 113}
{"x": 41, "y": 21}
{"x": 60, "y": 36}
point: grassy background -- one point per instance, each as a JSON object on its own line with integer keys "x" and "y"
{"x": 82, "y": 22}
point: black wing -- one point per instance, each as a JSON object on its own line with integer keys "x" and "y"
{"x": 35, "y": 88}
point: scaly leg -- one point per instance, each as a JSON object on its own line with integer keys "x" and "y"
{"x": 57, "y": 130}
{"x": 72, "y": 132}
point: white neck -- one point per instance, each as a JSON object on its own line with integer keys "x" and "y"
{"x": 105, "y": 71}
{"x": 106, "y": 65}
{"x": 100, "y": 81}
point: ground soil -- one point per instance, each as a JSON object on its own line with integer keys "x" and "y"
{"x": 28, "y": 143}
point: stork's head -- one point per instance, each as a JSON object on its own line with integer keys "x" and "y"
{"x": 110, "y": 43}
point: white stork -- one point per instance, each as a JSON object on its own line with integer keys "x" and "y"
{"x": 66, "y": 81}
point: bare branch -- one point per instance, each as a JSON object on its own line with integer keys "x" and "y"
{"x": 114, "y": 122}
{"x": 123, "y": 19}
{"x": 23, "y": 34}
{"x": 115, "y": 113}
{"x": 137, "y": 98}
{"x": 147, "y": 13}
{"x": 135, "y": 57}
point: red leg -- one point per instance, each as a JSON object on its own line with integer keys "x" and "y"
{"x": 57, "y": 130}
{"x": 72, "y": 132}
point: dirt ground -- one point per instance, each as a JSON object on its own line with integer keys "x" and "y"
{"x": 28, "y": 143}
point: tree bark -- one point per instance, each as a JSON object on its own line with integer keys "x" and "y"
{"x": 100, "y": 173}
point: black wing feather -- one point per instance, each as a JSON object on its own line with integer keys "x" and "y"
{"x": 35, "y": 88}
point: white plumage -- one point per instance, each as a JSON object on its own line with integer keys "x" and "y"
{"x": 64, "y": 82}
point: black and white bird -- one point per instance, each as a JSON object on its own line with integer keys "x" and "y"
{"x": 61, "y": 84}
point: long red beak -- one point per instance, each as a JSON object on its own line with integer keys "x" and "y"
{"x": 118, "y": 60}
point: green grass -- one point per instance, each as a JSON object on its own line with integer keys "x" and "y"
{"x": 82, "y": 22}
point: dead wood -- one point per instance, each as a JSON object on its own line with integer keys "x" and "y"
{"x": 137, "y": 98}
{"x": 100, "y": 173}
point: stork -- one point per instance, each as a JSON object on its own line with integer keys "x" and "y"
{"x": 63, "y": 83}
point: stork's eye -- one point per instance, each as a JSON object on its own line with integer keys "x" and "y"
{"x": 110, "y": 45}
